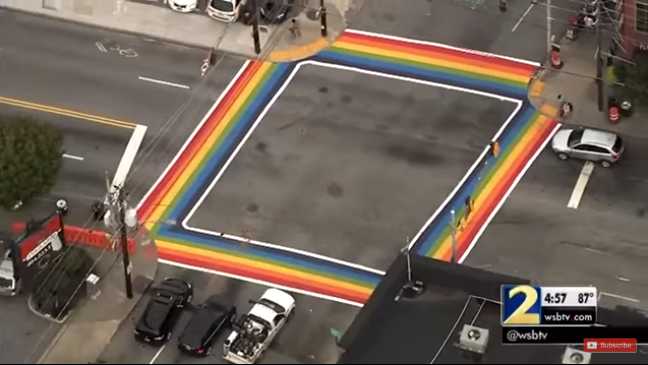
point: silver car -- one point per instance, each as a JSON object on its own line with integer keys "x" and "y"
{"x": 588, "y": 144}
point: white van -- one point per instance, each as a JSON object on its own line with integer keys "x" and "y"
{"x": 225, "y": 10}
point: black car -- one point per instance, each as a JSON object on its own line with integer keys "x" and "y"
{"x": 275, "y": 11}
{"x": 163, "y": 310}
{"x": 209, "y": 320}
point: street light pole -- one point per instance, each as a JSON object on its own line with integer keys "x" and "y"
{"x": 124, "y": 244}
{"x": 548, "y": 27}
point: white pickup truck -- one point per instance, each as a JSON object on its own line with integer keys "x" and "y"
{"x": 256, "y": 330}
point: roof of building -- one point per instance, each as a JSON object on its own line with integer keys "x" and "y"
{"x": 426, "y": 329}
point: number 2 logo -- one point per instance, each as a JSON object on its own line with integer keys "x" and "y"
{"x": 521, "y": 314}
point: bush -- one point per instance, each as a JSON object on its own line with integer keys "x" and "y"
{"x": 30, "y": 158}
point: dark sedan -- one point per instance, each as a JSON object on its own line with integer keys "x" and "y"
{"x": 275, "y": 11}
{"x": 207, "y": 323}
{"x": 163, "y": 310}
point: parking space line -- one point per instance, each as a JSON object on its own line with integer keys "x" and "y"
{"x": 66, "y": 112}
{"x": 162, "y": 82}
{"x": 522, "y": 17}
{"x": 581, "y": 183}
{"x": 157, "y": 354}
{"x": 73, "y": 157}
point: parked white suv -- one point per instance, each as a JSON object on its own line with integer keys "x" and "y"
{"x": 183, "y": 6}
{"x": 225, "y": 10}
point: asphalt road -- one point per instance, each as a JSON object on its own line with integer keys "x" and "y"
{"x": 58, "y": 64}
{"x": 602, "y": 243}
{"x": 61, "y": 64}
{"x": 305, "y": 339}
{"x": 330, "y": 170}
{"x": 472, "y": 24}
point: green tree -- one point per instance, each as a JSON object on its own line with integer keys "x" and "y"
{"x": 636, "y": 78}
{"x": 30, "y": 158}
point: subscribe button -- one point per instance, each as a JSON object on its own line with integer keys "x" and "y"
{"x": 610, "y": 345}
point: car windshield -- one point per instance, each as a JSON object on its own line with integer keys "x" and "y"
{"x": 222, "y": 5}
{"x": 575, "y": 137}
{"x": 618, "y": 144}
{"x": 276, "y": 307}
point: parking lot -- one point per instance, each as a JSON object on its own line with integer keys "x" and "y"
{"x": 306, "y": 338}
{"x": 331, "y": 171}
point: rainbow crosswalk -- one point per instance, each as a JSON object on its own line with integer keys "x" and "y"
{"x": 252, "y": 92}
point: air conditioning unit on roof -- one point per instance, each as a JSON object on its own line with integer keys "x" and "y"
{"x": 474, "y": 339}
{"x": 573, "y": 356}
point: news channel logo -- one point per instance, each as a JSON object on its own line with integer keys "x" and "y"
{"x": 521, "y": 305}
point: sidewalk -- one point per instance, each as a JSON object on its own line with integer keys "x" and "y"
{"x": 97, "y": 317}
{"x": 152, "y": 18}
{"x": 575, "y": 83}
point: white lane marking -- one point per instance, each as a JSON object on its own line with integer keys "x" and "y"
{"x": 162, "y": 82}
{"x": 260, "y": 282}
{"x": 499, "y": 205}
{"x": 522, "y": 17}
{"x": 73, "y": 157}
{"x": 633, "y": 300}
{"x": 581, "y": 183}
{"x": 101, "y": 47}
{"x": 157, "y": 354}
{"x": 623, "y": 278}
{"x": 128, "y": 157}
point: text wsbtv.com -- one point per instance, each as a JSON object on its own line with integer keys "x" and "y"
{"x": 556, "y": 318}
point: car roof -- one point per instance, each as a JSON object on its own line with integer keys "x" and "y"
{"x": 598, "y": 138}
{"x": 175, "y": 286}
{"x": 155, "y": 314}
{"x": 200, "y": 325}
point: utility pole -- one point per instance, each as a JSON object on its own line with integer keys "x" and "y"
{"x": 124, "y": 243}
{"x": 116, "y": 219}
{"x": 600, "y": 82}
{"x": 324, "y": 26}
{"x": 549, "y": 27}
{"x": 255, "y": 27}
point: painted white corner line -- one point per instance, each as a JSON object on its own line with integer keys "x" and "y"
{"x": 73, "y": 157}
{"x": 162, "y": 82}
{"x": 194, "y": 132}
{"x": 185, "y": 221}
{"x": 157, "y": 354}
{"x": 465, "y": 177}
{"x": 633, "y": 300}
{"x": 261, "y": 282}
{"x": 523, "y": 17}
{"x": 128, "y": 157}
{"x": 581, "y": 184}
{"x": 416, "y": 41}
{"x": 508, "y": 193}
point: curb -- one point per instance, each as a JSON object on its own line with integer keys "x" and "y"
{"x": 299, "y": 52}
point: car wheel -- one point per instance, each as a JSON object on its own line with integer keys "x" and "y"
{"x": 606, "y": 164}
{"x": 563, "y": 156}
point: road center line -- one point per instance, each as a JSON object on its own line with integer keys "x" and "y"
{"x": 581, "y": 183}
{"x": 73, "y": 157}
{"x": 522, "y": 17}
{"x": 633, "y": 300}
{"x": 162, "y": 82}
{"x": 157, "y": 354}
